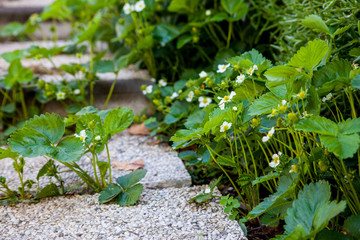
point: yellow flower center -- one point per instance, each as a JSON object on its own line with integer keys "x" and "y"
{"x": 226, "y": 98}
{"x": 205, "y": 100}
{"x": 302, "y": 95}
{"x": 226, "y": 127}
{"x": 276, "y": 160}
{"x": 282, "y": 108}
{"x": 273, "y": 112}
{"x": 223, "y": 83}
{"x": 224, "y": 67}
{"x": 235, "y": 66}
{"x": 82, "y": 138}
{"x": 250, "y": 70}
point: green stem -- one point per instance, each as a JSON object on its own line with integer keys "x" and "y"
{"x": 110, "y": 92}
{"x": 229, "y": 35}
{"x": 109, "y": 161}
{"x": 23, "y": 104}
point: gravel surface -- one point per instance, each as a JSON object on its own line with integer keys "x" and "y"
{"x": 159, "y": 214}
{"x": 165, "y": 169}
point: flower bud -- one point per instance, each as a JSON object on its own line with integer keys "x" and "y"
{"x": 292, "y": 116}
{"x": 323, "y": 167}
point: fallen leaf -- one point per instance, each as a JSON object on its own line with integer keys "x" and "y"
{"x": 138, "y": 129}
{"x": 128, "y": 166}
{"x": 153, "y": 143}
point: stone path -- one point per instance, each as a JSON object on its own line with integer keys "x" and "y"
{"x": 162, "y": 212}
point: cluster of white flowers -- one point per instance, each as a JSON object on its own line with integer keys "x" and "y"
{"x": 82, "y": 135}
{"x": 222, "y": 68}
{"x": 276, "y": 160}
{"x": 137, "y": 7}
{"x": 240, "y": 79}
{"x": 162, "y": 83}
{"x": 225, "y": 99}
{"x": 203, "y": 74}
{"x": 60, "y": 95}
{"x": 269, "y": 135}
{"x": 327, "y": 97}
{"x": 225, "y": 126}
{"x": 190, "y": 96}
{"x": 251, "y": 70}
{"x": 148, "y": 89}
{"x": 204, "y": 101}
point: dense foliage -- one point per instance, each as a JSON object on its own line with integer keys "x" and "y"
{"x": 281, "y": 122}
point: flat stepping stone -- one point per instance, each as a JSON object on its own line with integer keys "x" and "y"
{"x": 159, "y": 214}
{"x": 164, "y": 168}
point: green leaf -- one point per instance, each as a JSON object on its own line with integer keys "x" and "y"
{"x": 117, "y": 120}
{"x": 38, "y": 135}
{"x": 313, "y": 105}
{"x": 265, "y": 178}
{"x": 280, "y": 75}
{"x": 86, "y": 110}
{"x": 318, "y": 124}
{"x": 69, "y": 149}
{"x": 48, "y": 191}
{"x": 355, "y": 83}
{"x": 352, "y": 226}
{"x": 350, "y": 126}
{"x": 90, "y": 30}
{"x": 238, "y": 8}
{"x": 316, "y": 23}
{"x": 130, "y": 179}
{"x": 145, "y": 43}
{"x": 57, "y": 10}
{"x": 343, "y": 146}
{"x": 195, "y": 119}
{"x": 7, "y": 153}
{"x": 165, "y": 33}
{"x": 310, "y": 56}
{"x": 183, "y": 40}
{"x": 183, "y": 6}
{"x": 187, "y": 155}
{"x": 312, "y": 210}
{"x": 48, "y": 166}
{"x": 264, "y": 104}
{"x": 109, "y": 193}
{"x": 341, "y": 30}
{"x": 17, "y": 74}
{"x": 130, "y": 196}
{"x": 10, "y": 56}
{"x": 13, "y": 29}
{"x": 104, "y": 66}
{"x": 331, "y": 235}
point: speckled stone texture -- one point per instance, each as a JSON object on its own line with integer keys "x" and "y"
{"x": 159, "y": 214}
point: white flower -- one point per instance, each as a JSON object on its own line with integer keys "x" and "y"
{"x": 240, "y": 79}
{"x": 77, "y": 91}
{"x": 283, "y": 105}
{"x": 225, "y": 99}
{"x": 162, "y": 83}
{"x": 207, "y": 190}
{"x": 139, "y": 6}
{"x": 60, "y": 96}
{"x": 82, "y": 135}
{"x": 284, "y": 102}
{"x": 268, "y": 135}
{"x": 128, "y": 8}
{"x": 202, "y": 74}
{"x": 305, "y": 114}
{"x": 235, "y": 108}
{"x": 208, "y": 12}
{"x": 293, "y": 168}
{"x": 251, "y": 70}
{"x": 97, "y": 138}
{"x": 276, "y": 160}
{"x": 152, "y": 80}
{"x": 174, "y": 95}
{"x": 327, "y": 97}
{"x": 222, "y": 68}
{"x": 225, "y": 126}
{"x": 204, "y": 101}
{"x": 147, "y": 90}
{"x": 190, "y": 96}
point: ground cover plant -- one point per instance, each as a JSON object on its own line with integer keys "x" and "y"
{"x": 262, "y": 93}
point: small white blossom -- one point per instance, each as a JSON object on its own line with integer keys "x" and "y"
{"x": 128, "y": 8}
{"x": 190, "y": 96}
{"x": 98, "y": 138}
{"x": 147, "y": 90}
{"x": 293, "y": 168}
{"x": 251, "y": 70}
{"x": 152, "y": 80}
{"x": 225, "y": 126}
{"x": 162, "y": 83}
{"x": 174, "y": 95}
{"x": 235, "y": 108}
{"x": 60, "y": 96}
{"x": 208, "y": 12}
{"x": 203, "y": 74}
{"x": 222, "y": 68}
{"x": 240, "y": 79}
{"x": 305, "y": 114}
{"x": 82, "y": 135}
{"x": 207, "y": 190}
{"x": 225, "y": 99}
{"x": 327, "y": 97}
{"x": 139, "y": 6}
{"x": 204, "y": 101}
{"x": 77, "y": 91}
{"x": 276, "y": 160}
{"x": 269, "y": 135}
